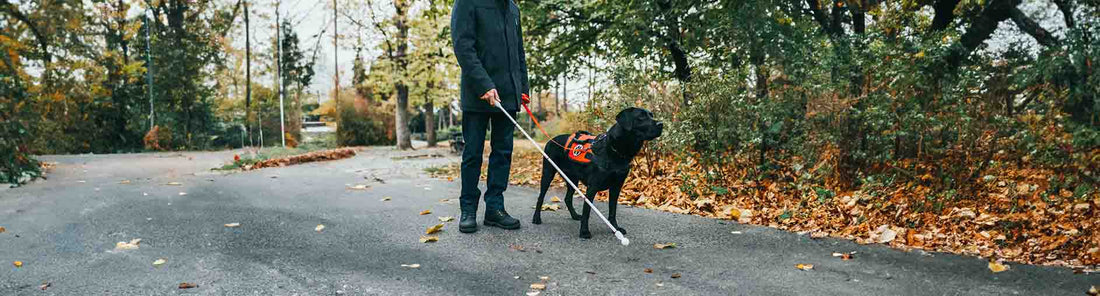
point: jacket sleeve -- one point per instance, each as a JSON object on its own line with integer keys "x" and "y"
{"x": 464, "y": 38}
{"x": 523, "y": 59}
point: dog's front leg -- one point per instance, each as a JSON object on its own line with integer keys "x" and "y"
{"x": 590, "y": 194}
{"x": 612, "y": 203}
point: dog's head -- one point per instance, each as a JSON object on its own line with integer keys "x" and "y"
{"x": 639, "y": 124}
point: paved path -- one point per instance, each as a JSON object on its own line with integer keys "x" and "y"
{"x": 65, "y": 229}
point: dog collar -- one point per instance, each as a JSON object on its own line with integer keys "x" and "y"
{"x": 609, "y": 145}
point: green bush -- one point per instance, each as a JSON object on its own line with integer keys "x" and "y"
{"x": 362, "y": 128}
{"x": 17, "y": 164}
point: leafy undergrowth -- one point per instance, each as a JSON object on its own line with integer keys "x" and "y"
{"x": 1011, "y": 214}
{"x": 285, "y": 157}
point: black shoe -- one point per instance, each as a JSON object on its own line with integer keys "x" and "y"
{"x": 468, "y": 224}
{"x": 500, "y": 218}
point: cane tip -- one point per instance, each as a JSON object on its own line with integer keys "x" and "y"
{"x": 622, "y": 239}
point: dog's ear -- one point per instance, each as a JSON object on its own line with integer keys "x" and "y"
{"x": 616, "y": 131}
{"x": 624, "y": 119}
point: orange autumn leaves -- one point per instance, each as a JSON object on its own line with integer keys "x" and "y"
{"x": 332, "y": 154}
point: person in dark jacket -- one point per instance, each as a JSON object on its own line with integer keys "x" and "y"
{"x": 488, "y": 44}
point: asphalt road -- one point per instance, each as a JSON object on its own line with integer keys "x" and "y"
{"x": 65, "y": 229}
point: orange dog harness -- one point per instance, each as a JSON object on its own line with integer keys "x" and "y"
{"x": 579, "y": 146}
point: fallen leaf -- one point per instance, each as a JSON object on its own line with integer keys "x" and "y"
{"x": 664, "y": 246}
{"x": 188, "y": 286}
{"x": 358, "y": 187}
{"x": 660, "y": 284}
{"x": 804, "y": 266}
{"x": 2, "y": 229}
{"x": 647, "y": 270}
{"x": 1081, "y": 207}
{"x": 675, "y": 275}
{"x": 997, "y": 267}
{"x": 17, "y": 264}
{"x": 551, "y": 208}
{"x": 434, "y": 229}
{"x": 429, "y": 239}
{"x": 132, "y": 245}
{"x": 843, "y": 256}
{"x": 159, "y": 262}
{"x": 425, "y": 212}
{"x": 538, "y": 286}
{"x": 446, "y": 219}
{"x": 534, "y": 293}
{"x": 233, "y": 225}
{"x": 518, "y": 248}
{"x": 44, "y": 286}
{"x": 386, "y": 198}
{"x": 884, "y": 234}
{"x": 319, "y": 227}
{"x": 174, "y": 184}
{"x": 555, "y": 199}
{"x": 120, "y": 182}
{"x": 411, "y": 265}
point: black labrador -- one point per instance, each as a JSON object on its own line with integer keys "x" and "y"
{"x": 609, "y": 168}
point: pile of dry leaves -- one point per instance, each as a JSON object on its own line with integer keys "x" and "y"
{"x": 1006, "y": 219}
{"x": 332, "y": 154}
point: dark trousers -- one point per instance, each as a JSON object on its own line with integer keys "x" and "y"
{"x": 474, "y": 125}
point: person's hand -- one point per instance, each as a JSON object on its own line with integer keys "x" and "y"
{"x": 491, "y": 97}
{"x": 526, "y": 99}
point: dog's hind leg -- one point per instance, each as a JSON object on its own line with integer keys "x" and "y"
{"x": 548, "y": 174}
{"x": 569, "y": 203}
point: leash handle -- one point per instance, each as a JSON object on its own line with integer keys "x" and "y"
{"x": 622, "y": 239}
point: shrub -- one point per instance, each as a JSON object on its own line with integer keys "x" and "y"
{"x": 363, "y": 125}
{"x": 158, "y": 138}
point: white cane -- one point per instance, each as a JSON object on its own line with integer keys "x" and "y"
{"x": 618, "y": 234}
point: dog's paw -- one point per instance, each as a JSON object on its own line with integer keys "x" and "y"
{"x": 620, "y": 229}
{"x": 536, "y": 220}
{"x": 586, "y": 234}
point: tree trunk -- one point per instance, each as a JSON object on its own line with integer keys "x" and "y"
{"x": 248, "y": 76}
{"x": 761, "y": 75}
{"x": 859, "y": 26}
{"x": 429, "y": 115}
{"x": 944, "y": 14}
{"x": 402, "y": 113}
{"x": 429, "y": 123}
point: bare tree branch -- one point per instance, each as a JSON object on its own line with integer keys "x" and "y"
{"x": 12, "y": 10}
{"x": 1031, "y": 27}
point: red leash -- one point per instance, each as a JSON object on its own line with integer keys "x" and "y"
{"x": 526, "y": 100}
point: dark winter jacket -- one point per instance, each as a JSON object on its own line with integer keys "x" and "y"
{"x": 488, "y": 43}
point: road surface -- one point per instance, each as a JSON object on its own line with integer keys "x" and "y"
{"x": 65, "y": 231}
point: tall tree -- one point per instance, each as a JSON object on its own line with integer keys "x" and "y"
{"x": 433, "y": 67}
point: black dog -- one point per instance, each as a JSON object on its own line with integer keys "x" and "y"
{"x": 609, "y": 168}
